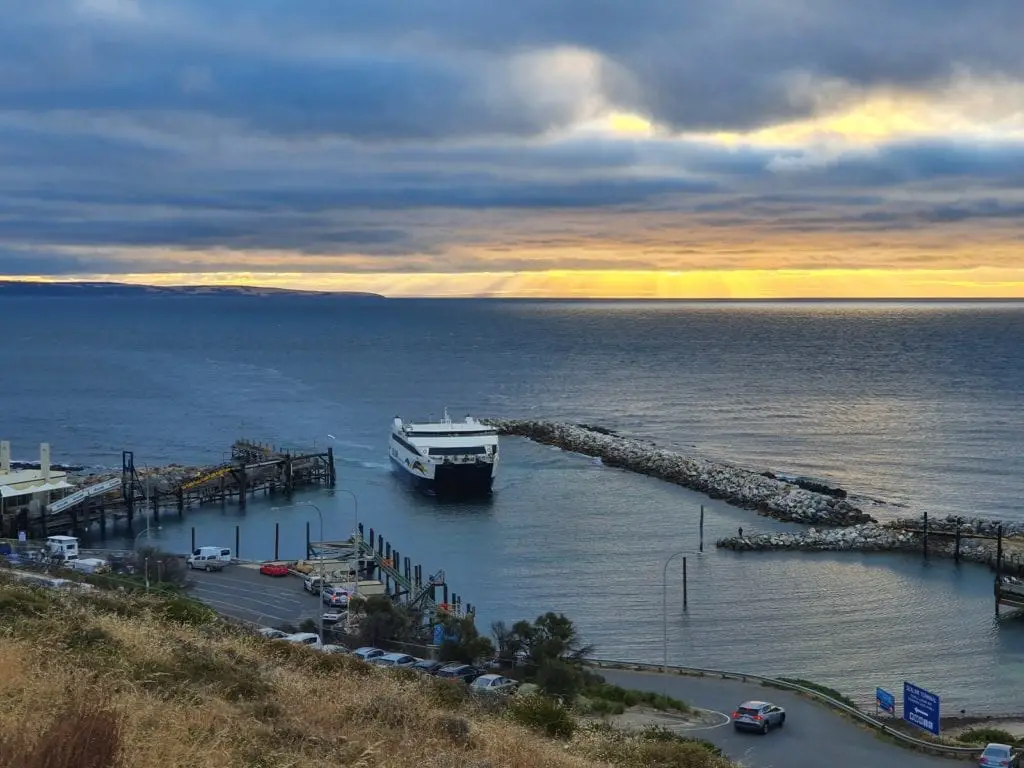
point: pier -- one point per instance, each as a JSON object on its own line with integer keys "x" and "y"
{"x": 404, "y": 582}
{"x": 101, "y": 500}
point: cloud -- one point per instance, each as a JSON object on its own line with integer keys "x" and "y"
{"x": 457, "y": 136}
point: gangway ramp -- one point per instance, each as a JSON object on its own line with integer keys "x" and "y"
{"x": 78, "y": 497}
{"x": 206, "y": 477}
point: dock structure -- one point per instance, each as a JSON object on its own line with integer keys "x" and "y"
{"x": 253, "y": 468}
{"x": 404, "y": 581}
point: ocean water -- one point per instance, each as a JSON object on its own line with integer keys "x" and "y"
{"x": 911, "y": 407}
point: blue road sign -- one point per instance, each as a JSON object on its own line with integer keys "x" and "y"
{"x": 921, "y": 708}
{"x": 885, "y": 701}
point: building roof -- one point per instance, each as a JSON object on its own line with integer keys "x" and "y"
{"x": 24, "y": 488}
{"x": 29, "y": 476}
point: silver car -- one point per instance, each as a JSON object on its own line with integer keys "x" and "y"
{"x": 760, "y": 716}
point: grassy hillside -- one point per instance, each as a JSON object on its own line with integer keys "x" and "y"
{"x": 104, "y": 680}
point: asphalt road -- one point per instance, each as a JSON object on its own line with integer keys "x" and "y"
{"x": 812, "y": 737}
{"x": 244, "y": 593}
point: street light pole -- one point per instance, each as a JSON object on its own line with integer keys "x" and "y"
{"x": 320, "y": 514}
{"x": 664, "y": 610}
{"x": 355, "y": 534}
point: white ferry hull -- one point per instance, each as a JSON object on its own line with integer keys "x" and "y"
{"x": 445, "y": 458}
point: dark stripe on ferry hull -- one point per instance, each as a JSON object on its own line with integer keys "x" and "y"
{"x": 450, "y": 480}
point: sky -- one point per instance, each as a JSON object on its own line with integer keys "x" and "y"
{"x": 537, "y": 148}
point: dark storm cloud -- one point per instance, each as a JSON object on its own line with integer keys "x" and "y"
{"x": 394, "y": 128}
{"x": 385, "y": 70}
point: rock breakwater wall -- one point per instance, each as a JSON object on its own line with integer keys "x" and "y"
{"x": 873, "y": 537}
{"x": 751, "y": 490}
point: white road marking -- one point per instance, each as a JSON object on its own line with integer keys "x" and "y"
{"x": 726, "y": 719}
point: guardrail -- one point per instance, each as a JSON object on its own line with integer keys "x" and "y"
{"x": 922, "y": 744}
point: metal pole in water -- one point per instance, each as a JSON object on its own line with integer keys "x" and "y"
{"x": 684, "y": 585}
{"x": 701, "y": 527}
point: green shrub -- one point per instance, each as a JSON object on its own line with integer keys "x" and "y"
{"x": 450, "y": 694}
{"x": 629, "y": 698}
{"x": 185, "y": 611}
{"x": 987, "y": 736}
{"x": 18, "y": 602}
{"x": 604, "y": 707}
{"x": 543, "y": 715}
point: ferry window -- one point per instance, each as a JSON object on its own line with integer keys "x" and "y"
{"x": 475, "y": 449}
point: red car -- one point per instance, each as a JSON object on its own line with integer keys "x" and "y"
{"x": 274, "y": 569}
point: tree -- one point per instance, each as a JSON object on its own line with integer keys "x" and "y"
{"x": 552, "y": 637}
{"x": 383, "y": 621}
{"x": 463, "y": 642}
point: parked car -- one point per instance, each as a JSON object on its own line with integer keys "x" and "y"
{"x": 312, "y": 584}
{"x": 998, "y": 756}
{"x": 367, "y": 652}
{"x": 332, "y": 648}
{"x": 394, "y": 660}
{"x": 274, "y": 569}
{"x": 336, "y": 597}
{"x": 758, "y": 716}
{"x": 272, "y": 634}
{"x": 202, "y": 557}
{"x": 428, "y": 667}
{"x": 334, "y": 616}
{"x": 467, "y": 673}
{"x": 494, "y": 684}
{"x": 310, "y": 639}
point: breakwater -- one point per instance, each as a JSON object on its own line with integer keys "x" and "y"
{"x": 872, "y": 537}
{"x": 768, "y": 495}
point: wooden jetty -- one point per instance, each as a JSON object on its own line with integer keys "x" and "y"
{"x": 404, "y": 582}
{"x": 252, "y": 468}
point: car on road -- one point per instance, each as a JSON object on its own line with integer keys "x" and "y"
{"x": 760, "y": 716}
{"x": 274, "y": 569}
{"x": 998, "y": 756}
{"x": 467, "y": 673}
{"x": 494, "y": 684}
{"x": 367, "y": 652}
{"x": 394, "y": 660}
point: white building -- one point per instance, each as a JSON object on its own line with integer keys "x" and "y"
{"x": 18, "y": 489}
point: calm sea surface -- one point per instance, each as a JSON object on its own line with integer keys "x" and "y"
{"x": 917, "y": 406}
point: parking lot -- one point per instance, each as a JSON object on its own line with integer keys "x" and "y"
{"x": 244, "y": 593}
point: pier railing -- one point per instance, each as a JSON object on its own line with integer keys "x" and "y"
{"x": 879, "y": 725}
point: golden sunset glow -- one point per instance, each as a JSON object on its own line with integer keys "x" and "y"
{"x": 746, "y": 284}
{"x": 643, "y": 152}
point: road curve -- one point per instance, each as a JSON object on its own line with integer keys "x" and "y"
{"x": 813, "y": 735}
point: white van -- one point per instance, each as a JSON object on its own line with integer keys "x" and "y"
{"x": 209, "y": 558}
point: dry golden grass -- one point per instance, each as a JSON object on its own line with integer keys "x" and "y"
{"x": 107, "y": 682}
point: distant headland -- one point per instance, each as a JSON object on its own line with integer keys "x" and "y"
{"x": 27, "y": 288}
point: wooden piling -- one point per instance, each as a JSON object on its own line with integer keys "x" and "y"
{"x": 277, "y": 539}
{"x": 924, "y": 537}
{"x": 701, "y": 527}
{"x": 956, "y": 543}
{"x": 194, "y": 541}
{"x": 238, "y": 536}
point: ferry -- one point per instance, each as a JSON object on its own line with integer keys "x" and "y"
{"x": 445, "y": 458}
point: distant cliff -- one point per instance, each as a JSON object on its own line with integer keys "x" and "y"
{"x": 25, "y": 288}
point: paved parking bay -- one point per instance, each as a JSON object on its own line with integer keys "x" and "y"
{"x": 242, "y": 592}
